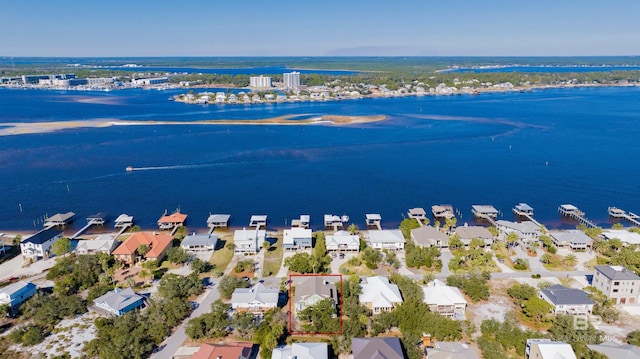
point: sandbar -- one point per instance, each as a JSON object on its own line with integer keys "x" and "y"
{"x": 22, "y": 128}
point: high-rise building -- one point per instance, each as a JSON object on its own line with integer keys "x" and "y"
{"x": 291, "y": 80}
{"x": 260, "y": 82}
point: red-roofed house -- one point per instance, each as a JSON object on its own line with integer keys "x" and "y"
{"x": 230, "y": 351}
{"x": 158, "y": 243}
{"x": 176, "y": 219}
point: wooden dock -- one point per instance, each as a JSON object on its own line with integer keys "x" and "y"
{"x": 569, "y": 210}
{"x": 523, "y": 210}
{"x": 619, "y": 213}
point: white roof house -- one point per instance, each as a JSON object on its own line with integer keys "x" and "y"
{"x": 379, "y": 295}
{"x": 525, "y": 230}
{"x": 451, "y": 350}
{"x": 342, "y": 241}
{"x": 297, "y": 237}
{"x": 547, "y": 349}
{"x": 302, "y": 351}
{"x": 256, "y": 299}
{"x": 105, "y": 243}
{"x": 623, "y": 235}
{"x": 248, "y": 241}
{"x": 386, "y": 239}
{"x": 444, "y": 299}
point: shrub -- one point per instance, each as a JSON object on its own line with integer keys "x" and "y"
{"x": 553, "y": 250}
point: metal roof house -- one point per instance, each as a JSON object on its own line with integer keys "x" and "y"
{"x": 618, "y": 283}
{"x": 444, "y": 300}
{"x": 451, "y": 350}
{"x": 17, "y": 293}
{"x": 39, "y": 244}
{"x": 567, "y": 300}
{"x": 387, "y": 239}
{"x": 302, "y": 351}
{"x": 342, "y": 241}
{"x": 547, "y": 349}
{"x": 297, "y": 238}
{"x": 574, "y": 239}
{"x": 379, "y": 295}
{"x": 199, "y": 242}
{"x": 615, "y": 350}
{"x": 256, "y": 299}
{"x": 119, "y": 301}
{"x": 248, "y": 241}
{"x": 105, "y": 243}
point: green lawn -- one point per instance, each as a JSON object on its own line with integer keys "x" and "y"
{"x": 221, "y": 257}
{"x": 273, "y": 258}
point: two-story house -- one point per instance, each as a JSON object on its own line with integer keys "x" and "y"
{"x": 39, "y": 245}
{"x": 379, "y": 295}
{"x": 567, "y": 300}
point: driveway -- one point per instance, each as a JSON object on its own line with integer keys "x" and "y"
{"x": 445, "y": 257}
{"x": 14, "y": 268}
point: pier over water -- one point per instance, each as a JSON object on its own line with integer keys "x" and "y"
{"x": 569, "y": 210}
{"x": 620, "y": 213}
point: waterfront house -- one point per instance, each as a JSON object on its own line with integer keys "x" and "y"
{"x": 104, "y": 243}
{"x": 547, "y": 349}
{"x": 379, "y": 295}
{"x": 218, "y": 220}
{"x": 226, "y": 351}
{"x": 445, "y": 300}
{"x": 451, "y": 350}
{"x": 467, "y": 233}
{"x": 567, "y": 300}
{"x": 627, "y": 238}
{"x": 618, "y": 283}
{"x": 176, "y": 219}
{"x": 309, "y": 290}
{"x": 526, "y": 231}
{"x": 428, "y": 236}
{"x": 342, "y": 241}
{"x": 390, "y": 239}
{"x": 59, "y": 219}
{"x": 302, "y": 351}
{"x": 119, "y": 301}
{"x": 158, "y": 244}
{"x": 248, "y": 241}
{"x": 376, "y": 348}
{"x": 574, "y": 239}
{"x": 297, "y": 238}
{"x": 258, "y": 221}
{"x": 199, "y": 242}
{"x": 39, "y": 245}
{"x": 17, "y": 293}
{"x": 614, "y": 350}
{"x": 257, "y": 299}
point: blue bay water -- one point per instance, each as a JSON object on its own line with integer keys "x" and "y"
{"x": 545, "y": 148}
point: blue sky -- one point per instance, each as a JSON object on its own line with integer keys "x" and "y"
{"x": 319, "y": 28}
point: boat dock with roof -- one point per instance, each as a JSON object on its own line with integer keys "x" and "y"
{"x": 59, "y": 219}
{"x": 523, "y": 210}
{"x": 442, "y": 211}
{"x": 419, "y": 214}
{"x": 335, "y": 222}
{"x": 616, "y": 212}
{"x": 571, "y": 211}
{"x": 486, "y": 212}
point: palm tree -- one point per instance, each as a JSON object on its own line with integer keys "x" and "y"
{"x": 615, "y": 243}
{"x": 534, "y": 246}
{"x": 599, "y": 246}
{"x": 512, "y": 240}
{"x": 546, "y": 258}
{"x": 353, "y": 229}
{"x": 570, "y": 260}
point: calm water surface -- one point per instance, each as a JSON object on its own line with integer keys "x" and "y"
{"x": 545, "y": 148}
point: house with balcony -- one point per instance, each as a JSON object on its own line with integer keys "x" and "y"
{"x": 342, "y": 241}
{"x": 379, "y": 295}
{"x": 389, "y": 239}
{"x": 39, "y": 245}
{"x": 297, "y": 238}
{"x": 445, "y": 300}
{"x": 248, "y": 240}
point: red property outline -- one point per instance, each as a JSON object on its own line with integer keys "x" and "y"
{"x": 291, "y": 332}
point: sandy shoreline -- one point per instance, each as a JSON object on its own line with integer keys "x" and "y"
{"x": 22, "y": 128}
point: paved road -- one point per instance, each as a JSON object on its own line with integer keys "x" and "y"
{"x": 170, "y": 345}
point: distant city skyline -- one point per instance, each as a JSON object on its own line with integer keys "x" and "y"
{"x": 328, "y": 28}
